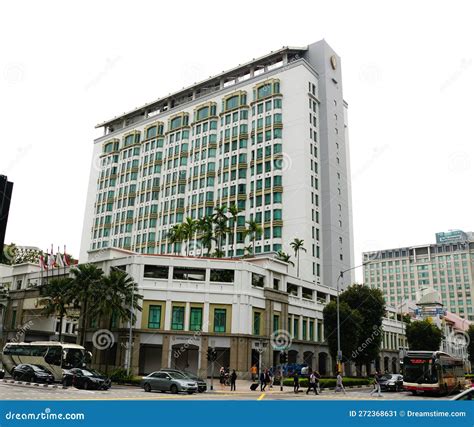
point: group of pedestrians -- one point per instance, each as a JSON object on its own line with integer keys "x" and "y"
{"x": 266, "y": 378}
{"x": 227, "y": 378}
{"x": 313, "y": 383}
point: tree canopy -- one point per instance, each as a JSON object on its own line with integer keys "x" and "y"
{"x": 423, "y": 335}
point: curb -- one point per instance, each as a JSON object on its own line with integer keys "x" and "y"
{"x": 56, "y": 386}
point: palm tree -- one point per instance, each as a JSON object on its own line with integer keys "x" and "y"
{"x": 58, "y": 297}
{"x": 283, "y": 256}
{"x": 249, "y": 251}
{"x": 205, "y": 228}
{"x": 220, "y": 231}
{"x": 175, "y": 235}
{"x": 86, "y": 277}
{"x": 188, "y": 228}
{"x": 297, "y": 245}
{"x": 116, "y": 298}
{"x": 116, "y": 294}
{"x": 234, "y": 211}
{"x": 254, "y": 230}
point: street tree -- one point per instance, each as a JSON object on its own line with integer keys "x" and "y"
{"x": 423, "y": 335}
{"x": 351, "y": 328}
{"x": 371, "y": 306}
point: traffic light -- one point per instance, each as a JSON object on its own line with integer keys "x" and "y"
{"x": 283, "y": 357}
{"x": 211, "y": 354}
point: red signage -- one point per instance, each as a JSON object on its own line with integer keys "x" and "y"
{"x": 419, "y": 361}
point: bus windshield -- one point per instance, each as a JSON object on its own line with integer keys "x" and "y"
{"x": 419, "y": 370}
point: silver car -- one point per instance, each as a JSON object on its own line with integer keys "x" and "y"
{"x": 174, "y": 382}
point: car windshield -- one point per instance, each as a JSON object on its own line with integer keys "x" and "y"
{"x": 38, "y": 368}
{"x": 176, "y": 375}
{"x": 87, "y": 373}
{"x": 387, "y": 377}
{"x": 192, "y": 376}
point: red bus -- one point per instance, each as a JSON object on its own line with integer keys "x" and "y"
{"x": 433, "y": 371}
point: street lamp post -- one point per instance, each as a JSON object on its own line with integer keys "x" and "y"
{"x": 339, "y": 352}
{"x": 129, "y": 352}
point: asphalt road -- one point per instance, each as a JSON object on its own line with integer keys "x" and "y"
{"x": 10, "y": 391}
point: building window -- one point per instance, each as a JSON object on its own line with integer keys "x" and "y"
{"x": 156, "y": 271}
{"x": 226, "y": 276}
{"x": 220, "y": 315}
{"x": 184, "y": 273}
{"x": 177, "y": 318}
{"x": 195, "y": 319}
{"x": 13, "y": 324}
{"x": 305, "y": 329}
{"x": 296, "y": 328}
{"x": 257, "y": 316}
{"x": 154, "y": 317}
{"x": 258, "y": 280}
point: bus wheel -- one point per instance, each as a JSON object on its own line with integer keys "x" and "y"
{"x": 414, "y": 392}
{"x": 446, "y": 390}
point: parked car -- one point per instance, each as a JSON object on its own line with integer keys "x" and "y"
{"x": 32, "y": 374}
{"x": 174, "y": 382}
{"x": 391, "y": 382}
{"x": 465, "y": 395}
{"x": 87, "y": 379}
{"x": 201, "y": 384}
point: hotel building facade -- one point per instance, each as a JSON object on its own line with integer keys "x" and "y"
{"x": 237, "y": 306}
{"x": 447, "y": 266}
{"x": 269, "y": 136}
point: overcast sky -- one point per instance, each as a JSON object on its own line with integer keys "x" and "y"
{"x": 407, "y": 68}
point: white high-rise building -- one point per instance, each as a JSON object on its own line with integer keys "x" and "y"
{"x": 269, "y": 136}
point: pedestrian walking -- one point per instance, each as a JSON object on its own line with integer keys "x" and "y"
{"x": 312, "y": 383}
{"x": 271, "y": 377}
{"x": 296, "y": 382}
{"x": 339, "y": 384}
{"x": 253, "y": 372}
{"x": 263, "y": 384}
{"x": 317, "y": 375}
{"x": 377, "y": 387}
{"x": 233, "y": 379}
{"x": 222, "y": 377}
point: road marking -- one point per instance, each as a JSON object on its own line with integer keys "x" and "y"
{"x": 261, "y": 396}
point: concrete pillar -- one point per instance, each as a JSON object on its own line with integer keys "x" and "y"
{"x": 206, "y": 318}
{"x": 166, "y": 352}
{"x": 202, "y": 368}
{"x": 187, "y": 314}
{"x": 168, "y": 308}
